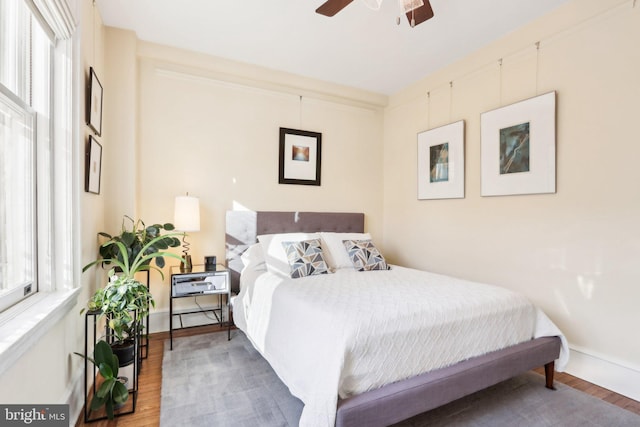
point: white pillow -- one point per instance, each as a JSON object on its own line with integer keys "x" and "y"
{"x": 274, "y": 253}
{"x": 253, "y": 257}
{"x": 336, "y": 254}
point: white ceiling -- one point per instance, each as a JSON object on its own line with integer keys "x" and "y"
{"x": 358, "y": 47}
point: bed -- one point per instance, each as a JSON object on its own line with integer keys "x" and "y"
{"x": 336, "y": 373}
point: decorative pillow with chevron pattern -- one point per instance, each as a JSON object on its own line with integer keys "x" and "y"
{"x": 305, "y": 258}
{"x": 364, "y": 255}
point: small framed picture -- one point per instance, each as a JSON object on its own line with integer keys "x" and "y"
{"x": 93, "y": 167}
{"x": 94, "y": 103}
{"x": 518, "y": 148}
{"x": 300, "y": 155}
{"x": 441, "y": 162}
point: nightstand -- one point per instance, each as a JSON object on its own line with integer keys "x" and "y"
{"x": 199, "y": 282}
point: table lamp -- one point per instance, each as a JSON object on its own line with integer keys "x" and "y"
{"x": 186, "y": 217}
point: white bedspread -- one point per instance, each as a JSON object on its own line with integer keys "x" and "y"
{"x": 345, "y": 333}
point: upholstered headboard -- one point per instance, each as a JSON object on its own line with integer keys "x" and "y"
{"x": 243, "y": 227}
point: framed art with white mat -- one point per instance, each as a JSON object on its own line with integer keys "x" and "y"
{"x": 94, "y": 103}
{"x": 300, "y": 155}
{"x": 518, "y": 148}
{"x": 93, "y": 166}
{"x": 441, "y": 162}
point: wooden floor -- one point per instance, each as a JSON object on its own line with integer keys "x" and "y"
{"x": 150, "y": 381}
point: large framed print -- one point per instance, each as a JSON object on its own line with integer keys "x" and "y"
{"x": 300, "y": 155}
{"x": 441, "y": 162}
{"x": 518, "y": 148}
{"x": 93, "y": 167}
{"x": 94, "y": 103}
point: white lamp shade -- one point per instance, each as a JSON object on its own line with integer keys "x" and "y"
{"x": 186, "y": 216}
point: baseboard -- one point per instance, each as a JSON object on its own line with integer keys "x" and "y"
{"x": 74, "y": 396}
{"x": 613, "y": 375}
{"x": 159, "y": 320}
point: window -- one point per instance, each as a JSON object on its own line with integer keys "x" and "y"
{"x": 25, "y": 78}
{"x": 39, "y": 124}
{"x": 30, "y": 55}
{"x": 17, "y": 192}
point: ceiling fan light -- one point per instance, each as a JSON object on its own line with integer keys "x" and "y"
{"x": 373, "y": 4}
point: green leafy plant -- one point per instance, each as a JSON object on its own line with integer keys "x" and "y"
{"x": 136, "y": 238}
{"x": 124, "y": 300}
{"x": 112, "y": 392}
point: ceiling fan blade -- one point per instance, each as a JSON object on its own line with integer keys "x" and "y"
{"x": 421, "y": 13}
{"x": 331, "y": 7}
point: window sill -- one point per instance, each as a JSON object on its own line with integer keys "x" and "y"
{"x": 26, "y": 323}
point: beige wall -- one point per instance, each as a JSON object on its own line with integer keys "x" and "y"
{"x": 574, "y": 253}
{"x": 120, "y": 128}
{"x": 210, "y": 127}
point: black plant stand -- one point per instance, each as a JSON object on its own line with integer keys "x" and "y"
{"x": 144, "y": 339}
{"x": 130, "y": 405}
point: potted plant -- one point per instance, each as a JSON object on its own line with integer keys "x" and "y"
{"x": 136, "y": 239}
{"x": 124, "y": 300}
{"x": 112, "y": 392}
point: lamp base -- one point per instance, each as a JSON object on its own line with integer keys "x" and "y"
{"x": 186, "y": 266}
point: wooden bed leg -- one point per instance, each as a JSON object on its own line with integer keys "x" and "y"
{"x": 548, "y": 375}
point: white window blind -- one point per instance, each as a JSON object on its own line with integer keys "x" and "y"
{"x": 17, "y": 191}
{"x": 55, "y": 16}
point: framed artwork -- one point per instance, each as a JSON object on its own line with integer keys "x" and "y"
{"x": 518, "y": 148}
{"x": 93, "y": 166}
{"x": 300, "y": 154}
{"x": 441, "y": 162}
{"x": 94, "y": 103}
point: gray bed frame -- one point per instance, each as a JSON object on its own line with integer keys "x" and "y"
{"x": 398, "y": 401}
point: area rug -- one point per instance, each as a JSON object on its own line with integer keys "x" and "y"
{"x": 209, "y": 381}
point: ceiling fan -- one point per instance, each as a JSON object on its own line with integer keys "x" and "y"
{"x": 417, "y": 11}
